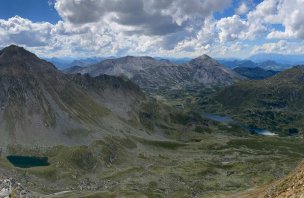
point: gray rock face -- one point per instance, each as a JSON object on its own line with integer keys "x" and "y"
{"x": 151, "y": 74}
{"x": 39, "y": 105}
{"x": 126, "y": 66}
{"x": 208, "y": 71}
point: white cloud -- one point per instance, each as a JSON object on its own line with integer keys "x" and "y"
{"x": 280, "y": 47}
{"x": 232, "y": 28}
{"x": 159, "y": 27}
{"x": 242, "y": 9}
{"x": 291, "y": 15}
{"x": 22, "y": 31}
{"x": 288, "y": 13}
{"x": 115, "y": 27}
{"x": 149, "y": 17}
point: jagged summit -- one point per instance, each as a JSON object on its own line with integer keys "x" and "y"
{"x": 18, "y": 59}
{"x": 13, "y": 51}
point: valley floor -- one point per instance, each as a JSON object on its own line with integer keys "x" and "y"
{"x": 215, "y": 164}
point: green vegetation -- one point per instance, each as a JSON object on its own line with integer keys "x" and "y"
{"x": 274, "y": 104}
{"x": 165, "y": 149}
{"x": 220, "y": 163}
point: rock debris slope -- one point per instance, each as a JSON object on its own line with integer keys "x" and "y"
{"x": 39, "y": 105}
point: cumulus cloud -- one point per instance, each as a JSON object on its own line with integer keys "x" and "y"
{"x": 232, "y": 28}
{"x": 23, "y": 31}
{"x": 141, "y": 27}
{"x": 281, "y": 47}
{"x": 288, "y": 13}
{"x": 242, "y": 9}
{"x": 150, "y": 17}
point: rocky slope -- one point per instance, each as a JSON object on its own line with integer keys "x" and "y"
{"x": 291, "y": 186}
{"x": 151, "y": 74}
{"x": 73, "y": 70}
{"x": 118, "y": 94}
{"x": 42, "y": 106}
{"x": 207, "y": 71}
{"x": 126, "y": 66}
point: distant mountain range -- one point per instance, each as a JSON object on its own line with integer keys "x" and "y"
{"x": 152, "y": 74}
{"x": 255, "y": 73}
{"x": 267, "y": 64}
{"x": 67, "y": 62}
{"x": 265, "y": 61}
{"x": 63, "y": 63}
{"x": 279, "y": 58}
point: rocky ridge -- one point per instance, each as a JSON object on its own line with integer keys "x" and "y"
{"x": 151, "y": 74}
{"x": 39, "y": 105}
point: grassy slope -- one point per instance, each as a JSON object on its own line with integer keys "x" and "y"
{"x": 204, "y": 164}
{"x": 275, "y": 103}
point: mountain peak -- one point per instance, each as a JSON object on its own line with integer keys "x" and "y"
{"x": 14, "y": 50}
{"x": 204, "y": 59}
{"x": 15, "y": 57}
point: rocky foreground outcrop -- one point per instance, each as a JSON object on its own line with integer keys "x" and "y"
{"x": 291, "y": 186}
{"x": 11, "y": 188}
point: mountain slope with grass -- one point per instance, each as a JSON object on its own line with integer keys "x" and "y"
{"x": 274, "y": 103}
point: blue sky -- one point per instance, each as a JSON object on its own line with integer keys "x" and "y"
{"x": 176, "y": 28}
{"x": 35, "y": 10}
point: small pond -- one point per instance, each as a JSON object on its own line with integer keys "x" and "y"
{"x": 229, "y": 120}
{"x": 218, "y": 118}
{"x": 259, "y": 131}
{"x": 27, "y": 161}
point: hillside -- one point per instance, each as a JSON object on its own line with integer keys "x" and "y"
{"x": 42, "y": 106}
{"x": 118, "y": 94}
{"x": 72, "y": 70}
{"x": 274, "y": 103}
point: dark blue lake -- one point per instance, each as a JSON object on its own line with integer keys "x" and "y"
{"x": 27, "y": 161}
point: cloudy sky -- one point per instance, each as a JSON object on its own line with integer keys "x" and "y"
{"x": 174, "y": 28}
